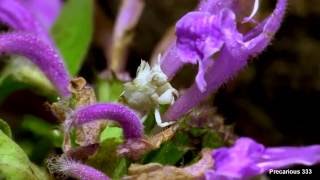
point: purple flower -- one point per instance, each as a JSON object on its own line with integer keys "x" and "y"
{"x": 247, "y": 159}
{"x": 128, "y": 120}
{"x": 198, "y": 169}
{"x": 68, "y": 167}
{"x": 45, "y": 11}
{"x": 41, "y": 54}
{"x": 19, "y": 18}
{"x": 127, "y": 19}
{"x": 214, "y": 6}
{"x": 128, "y": 16}
{"x": 201, "y": 34}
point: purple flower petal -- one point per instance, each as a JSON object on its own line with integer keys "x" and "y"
{"x": 224, "y": 68}
{"x": 171, "y": 61}
{"x": 248, "y": 158}
{"x": 233, "y": 57}
{"x": 214, "y": 6}
{"x": 46, "y": 11}
{"x": 128, "y": 120}
{"x": 128, "y": 17}
{"x": 18, "y": 18}
{"x": 199, "y": 168}
{"x": 200, "y": 35}
{"x": 42, "y": 55}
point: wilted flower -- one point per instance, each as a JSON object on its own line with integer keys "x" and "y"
{"x": 149, "y": 90}
{"x": 247, "y": 159}
{"x": 202, "y": 34}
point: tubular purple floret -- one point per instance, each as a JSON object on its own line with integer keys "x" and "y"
{"x": 171, "y": 63}
{"x": 127, "y": 118}
{"x": 45, "y": 11}
{"x": 128, "y": 17}
{"x": 18, "y": 18}
{"x": 233, "y": 58}
{"x": 272, "y": 24}
{"x": 68, "y": 167}
{"x": 247, "y": 158}
{"x": 41, "y": 54}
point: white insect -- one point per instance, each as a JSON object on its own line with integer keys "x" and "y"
{"x": 149, "y": 90}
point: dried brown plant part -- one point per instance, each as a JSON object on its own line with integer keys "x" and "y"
{"x": 84, "y": 95}
{"x": 59, "y": 109}
{"x": 198, "y": 169}
{"x": 83, "y": 152}
{"x": 163, "y": 136}
{"x": 207, "y": 117}
{"x": 158, "y": 171}
{"x": 134, "y": 149}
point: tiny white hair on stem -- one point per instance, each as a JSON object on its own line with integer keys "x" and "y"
{"x": 59, "y": 165}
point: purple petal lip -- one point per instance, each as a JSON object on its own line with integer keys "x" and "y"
{"x": 46, "y": 11}
{"x": 196, "y": 41}
{"x": 39, "y": 53}
{"x": 247, "y": 158}
{"x": 127, "y": 118}
{"x": 19, "y": 18}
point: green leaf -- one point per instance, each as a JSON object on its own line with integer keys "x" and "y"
{"x": 170, "y": 152}
{"x": 19, "y": 74}
{"x": 9, "y": 85}
{"x": 5, "y": 128}
{"x": 42, "y": 129}
{"x": 24, "y": 71}
{"x": 73, "y": 32}
{"x": 212, "y": 140}
{"x": 197, "y": 132}
{"x": 112, "y": 132}
{"x": 14, "y": 163}
{"x": 149, "y": 123}
{"x": 107, "y": 160}
{"x": 109, "y": 90}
